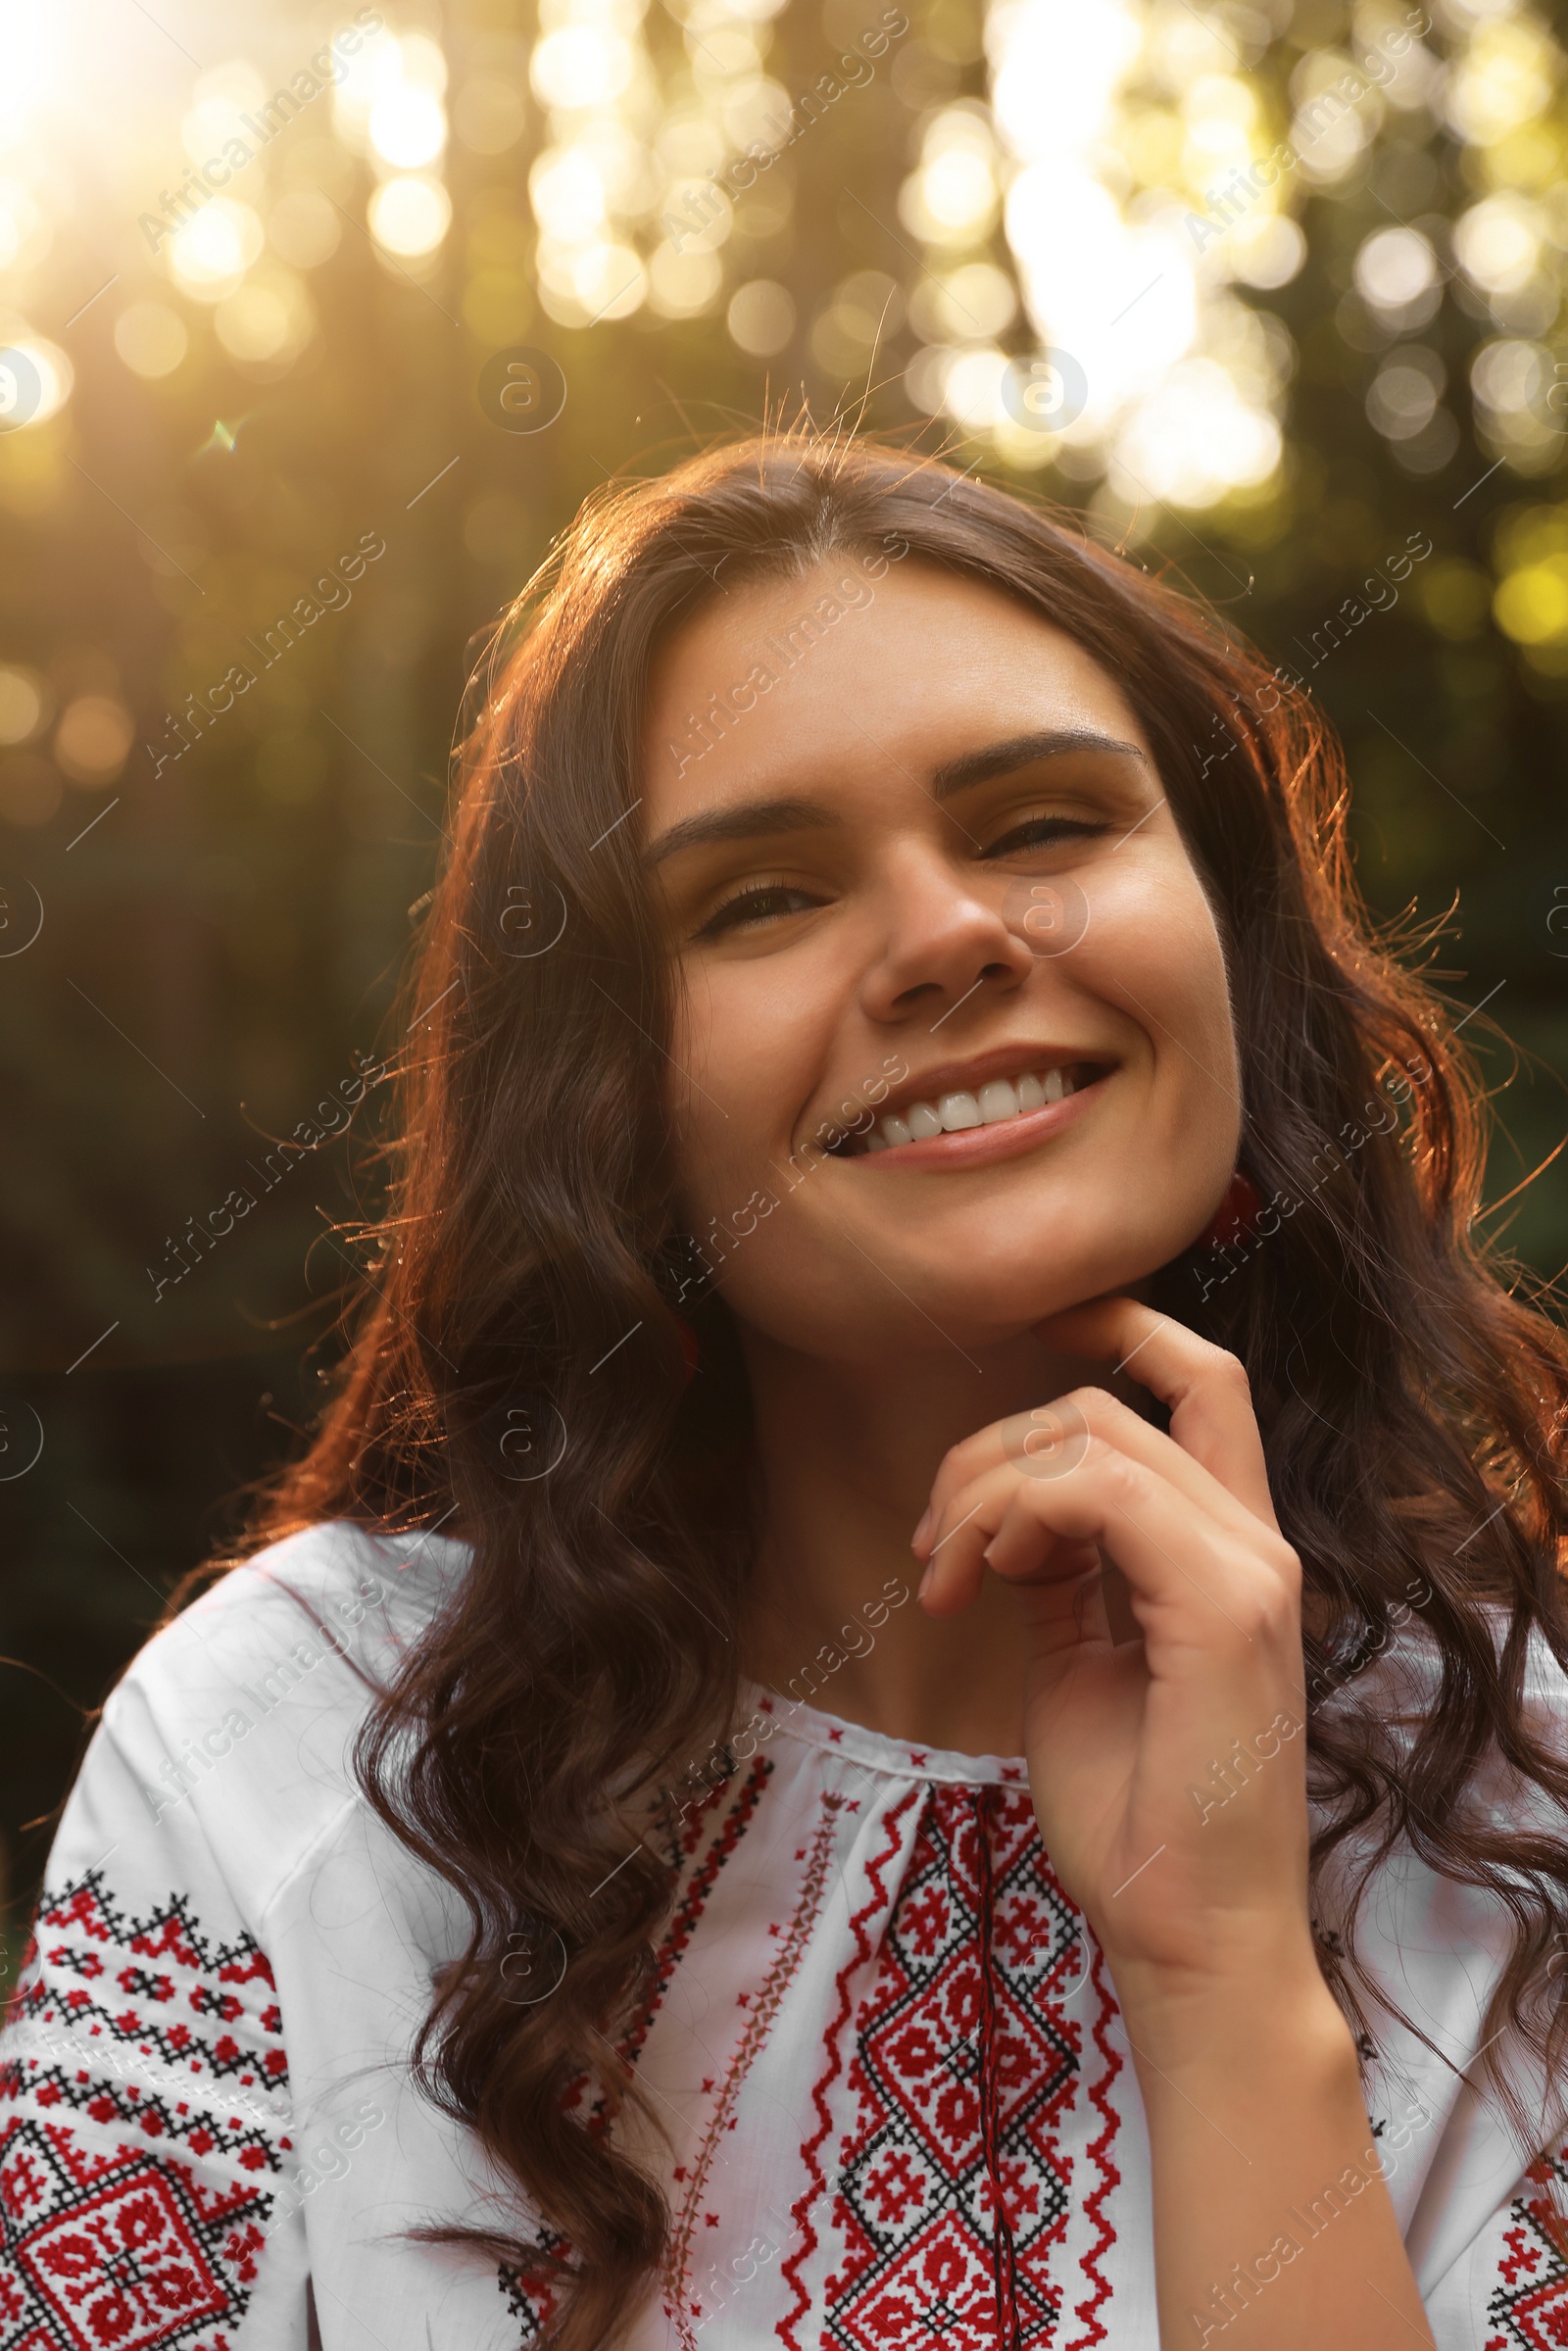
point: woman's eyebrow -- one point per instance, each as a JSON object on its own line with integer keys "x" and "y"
{"x": 751, "y": 820}
{"x": 1020, "y": 751}
{"x": 746, "y": 820}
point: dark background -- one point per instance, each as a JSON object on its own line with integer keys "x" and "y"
{"x": 224, "y": 939}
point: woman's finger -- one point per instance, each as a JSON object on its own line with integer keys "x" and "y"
{"x": 1205, "y": 1387}
{"x": 955, "y": 1565}
{"x": 1064, "y": 1620}
{"x": 1045, "y": 1442}
{"x": 1201, "y": 1574}
{"x": 1063, "y": 1600}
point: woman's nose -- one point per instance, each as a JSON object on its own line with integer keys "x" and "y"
{"x": 944, "y": 941}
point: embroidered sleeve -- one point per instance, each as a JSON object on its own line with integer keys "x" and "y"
{"x": 143, "y": 2096}
{"x": 1526, "y": 2276}
{"x": 1510, "y": 2292}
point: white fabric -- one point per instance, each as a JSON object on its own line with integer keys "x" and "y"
{"x": 206, "y": 2102}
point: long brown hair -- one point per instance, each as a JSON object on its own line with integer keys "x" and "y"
{"x": 515, "y": 1367}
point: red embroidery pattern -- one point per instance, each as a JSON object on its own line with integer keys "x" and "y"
{"x": 1100, "y": 2156}
{"x": 736, "y": 1806}
{"x": 91, "y": 1970}
{"x": 535, "y": 2302}
{"x": 1531, "y": 2301}
{"x": 531, "y": 2301}
{"x": 692, "y": 1897}
{"x": 763, "y": 2008}
{"x": 138, "y": 2258}
{"x": 875, "y": 1902}
{"x": 130, "y": 2216}
{"x": 967, "y": 2061}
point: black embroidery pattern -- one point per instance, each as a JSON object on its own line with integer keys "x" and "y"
{"x": 131, "y": 2217}
{"x": 1530, "y": 2303}
{"x": 953, "y": 2188}
{"x": 91, "y": 1970}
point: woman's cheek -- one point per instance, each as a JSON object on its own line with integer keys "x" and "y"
{"x": 1152, "y": 951}
{"x": 736, "y": 1095}
{"x": 1177, "y": 956}
{"x": 1149, "y": 945}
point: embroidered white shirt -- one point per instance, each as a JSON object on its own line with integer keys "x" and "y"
{"x": 899, "y": 2102}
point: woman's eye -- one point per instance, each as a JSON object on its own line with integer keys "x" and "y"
{"x": 763, "y": 903}
{"x": 1038, "y": 832}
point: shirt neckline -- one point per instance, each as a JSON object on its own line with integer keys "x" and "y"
{"x": 874, "y": 1750}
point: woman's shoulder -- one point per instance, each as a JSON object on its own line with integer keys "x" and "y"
{"x": 243, "y": 1708}
{"x": 335, "y": 1595}
{"x": 216, "y": 1927}
{"x": 336, "y": 1565}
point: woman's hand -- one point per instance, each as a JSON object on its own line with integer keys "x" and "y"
{"x": 1167, "y": 1773}
{"x": 1168, "y": 1777}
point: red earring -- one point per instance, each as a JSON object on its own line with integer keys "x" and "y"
{"x": 688, "y": 1346}
{"x": 1237, "y": 1216}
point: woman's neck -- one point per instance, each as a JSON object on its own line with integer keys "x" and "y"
{"x": 846, "y": 1454}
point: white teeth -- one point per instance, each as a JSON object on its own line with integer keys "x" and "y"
{"x": 998, "y": 1101}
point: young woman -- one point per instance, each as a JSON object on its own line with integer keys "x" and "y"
{"x": 914, "y": 1691}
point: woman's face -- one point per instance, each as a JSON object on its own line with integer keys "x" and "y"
{"x": 954, "y": 1047}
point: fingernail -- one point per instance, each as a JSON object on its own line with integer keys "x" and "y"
{"x": 926, "y": 1581}
{"x": 922, "y": 1530}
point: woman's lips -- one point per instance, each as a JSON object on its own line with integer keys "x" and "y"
{"x": 977, "y": 1147}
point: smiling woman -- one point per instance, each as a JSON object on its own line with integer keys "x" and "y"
{"x": 1055, "y": 1989}
{"x": 842, "y": 886}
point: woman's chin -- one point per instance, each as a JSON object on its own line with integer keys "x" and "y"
{"x": 890, "y": 1336}
{"x": 888, "y": 1303}
{"x": 1008, "y": 1299}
